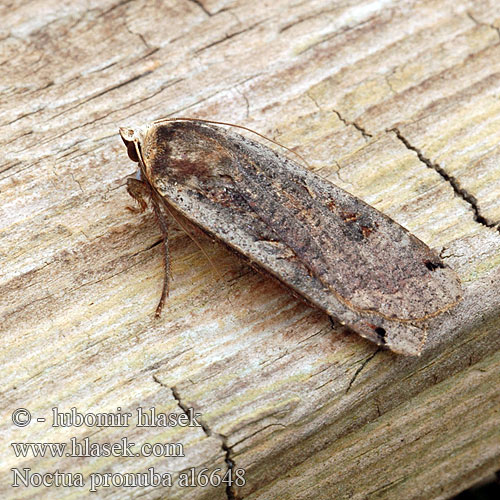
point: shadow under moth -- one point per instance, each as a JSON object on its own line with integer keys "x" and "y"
{"x": 325, "y": 245}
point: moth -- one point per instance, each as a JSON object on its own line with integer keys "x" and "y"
{"x": 333, "y": 250}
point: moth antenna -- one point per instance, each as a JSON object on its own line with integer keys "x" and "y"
{"x": 210, "y": 261}
{"x": 236, "y": 126}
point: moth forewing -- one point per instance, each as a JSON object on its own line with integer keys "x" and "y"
{"x": 337, "y": 252}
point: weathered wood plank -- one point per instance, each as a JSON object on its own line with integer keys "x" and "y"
{"x": 397, "y": 102}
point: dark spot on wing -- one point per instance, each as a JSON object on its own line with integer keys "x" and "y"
{"x": 433, "y": 265}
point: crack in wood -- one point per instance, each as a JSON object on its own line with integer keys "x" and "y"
{"x": 452, "y": 181}
{"x": 202, "y": 7}
{"x": 24, "y": 115}
{"x": 105, "y": 91}
{"x": 227, "y": 37}
{"x": 135, "y": 103}
{"x": 334, "y": 34}
{"x": 346, "y": 122}
{"x": 358, "y": 371}
{"x": 479, "y": 23}
{"x": 113, "y": 7}
{"x": 209, "y": 433}
{"x": 363, "y": 131}
{"x": 140, "y": 35}
{"x": 221, "y": 91}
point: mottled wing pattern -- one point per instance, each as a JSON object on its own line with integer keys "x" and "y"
{"x": 326, "y": 245}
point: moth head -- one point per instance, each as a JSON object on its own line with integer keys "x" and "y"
{"x": 128, "y": 136}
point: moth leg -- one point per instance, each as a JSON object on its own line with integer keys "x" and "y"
{"x": 162, "y": 222}
{"x": 140, "y": 191}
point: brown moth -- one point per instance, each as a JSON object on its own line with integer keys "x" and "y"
{"x": 324, "y": 244}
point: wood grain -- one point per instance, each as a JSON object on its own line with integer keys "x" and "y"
{"x": 396, "y": 102}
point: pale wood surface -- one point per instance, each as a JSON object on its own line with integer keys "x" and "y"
{"x": 397, "y": 102}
